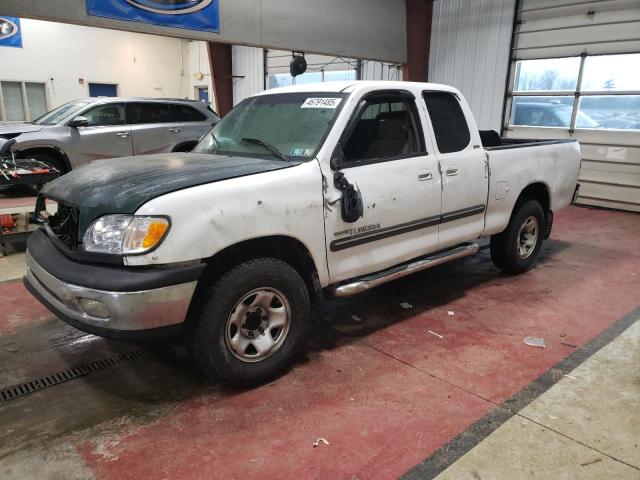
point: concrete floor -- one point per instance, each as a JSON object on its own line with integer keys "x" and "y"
{"x": 389, "y": 396}
{"x": 586, "y": 426}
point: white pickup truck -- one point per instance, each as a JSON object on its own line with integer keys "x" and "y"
{"x": 298, "y": 195}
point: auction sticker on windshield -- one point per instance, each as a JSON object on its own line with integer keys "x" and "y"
{"x": 323, "y": 102}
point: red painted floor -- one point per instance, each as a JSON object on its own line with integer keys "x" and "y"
{"x": 18, "y": 308}
{"x": 385, "y": 392}
{"x": 16, "y": 200}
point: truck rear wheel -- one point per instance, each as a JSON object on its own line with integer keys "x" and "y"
{"x": 517, "y": 248}
{"x": 251, "y": 323}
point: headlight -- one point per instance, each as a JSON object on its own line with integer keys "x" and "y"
{"x": 125, "y": 234}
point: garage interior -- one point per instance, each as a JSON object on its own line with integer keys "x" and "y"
{"x": 430, "y": 376}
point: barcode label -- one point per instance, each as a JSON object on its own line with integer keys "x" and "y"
{"x": 324, "y": 102}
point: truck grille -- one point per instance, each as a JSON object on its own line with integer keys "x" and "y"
{"x": 64, "y": 225}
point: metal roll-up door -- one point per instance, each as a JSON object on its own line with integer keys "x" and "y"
{"x": 575, "y": 73}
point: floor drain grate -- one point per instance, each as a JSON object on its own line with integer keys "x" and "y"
{"x": 27, "y": 388}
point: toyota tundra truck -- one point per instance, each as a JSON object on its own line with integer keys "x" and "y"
{"x": 299, "y": 195}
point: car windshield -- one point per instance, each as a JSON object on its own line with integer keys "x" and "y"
{"x": 582, "y": 120}
{"x": 56, "y": 115}
{"x": 285, "y": 125}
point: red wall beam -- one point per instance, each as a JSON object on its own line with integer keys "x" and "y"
{"x": 221, "y": 75}
{"x": 419, "y": 17}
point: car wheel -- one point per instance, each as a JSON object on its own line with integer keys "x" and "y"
{"x": 251, "y": 323}
{"x": 517, "y": 248}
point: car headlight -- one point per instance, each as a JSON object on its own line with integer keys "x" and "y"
{"x": 125, "y": 234}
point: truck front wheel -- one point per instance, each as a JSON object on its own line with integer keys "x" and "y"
{"x": 516, "y": 249}
{"x": 251, "y": 323}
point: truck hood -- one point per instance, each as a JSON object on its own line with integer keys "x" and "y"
{"x": 122, "y": 185}
{"x": 14, "y": 129}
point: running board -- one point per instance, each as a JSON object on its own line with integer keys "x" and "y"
{"x": 371, "y": 281}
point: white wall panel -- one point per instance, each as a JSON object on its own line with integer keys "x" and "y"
{"x": 61, "y": 55}
{"x": 248, "y": 70}
{"x": 196, "y": 61}
{"x": 372, "y": 70}
{"x": 470, "y": 50}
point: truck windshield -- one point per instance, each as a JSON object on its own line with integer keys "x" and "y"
{"x": 56, "y": 115}
{"x": 292, "y": 124}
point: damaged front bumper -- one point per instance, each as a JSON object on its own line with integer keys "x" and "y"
{"x": 138, "y": 304}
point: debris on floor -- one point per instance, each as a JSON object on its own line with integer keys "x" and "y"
{"x": 356, "y": 318}
{"x": 320, "y": 440}
{"x": 568, "y": 344}
{"x": 534, "y": 342}
{"x": 591, "y": 462}
{"x": 436, "y": 334}
{"x": 451, "y": 313}
{"x": 406, "y": 306}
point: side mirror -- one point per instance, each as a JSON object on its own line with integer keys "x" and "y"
{"x": 352, "y": 207}
{"x": 79, "y": 121}
{"x": 5, "y": 149}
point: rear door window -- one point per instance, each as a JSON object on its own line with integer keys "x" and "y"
{"x": 448, "y": 120}
{"x": 141, "y": 113}
{"x": 185, "y": 113}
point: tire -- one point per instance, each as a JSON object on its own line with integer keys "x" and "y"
{"x": 517, "y": 248}
{"x": 34, "y": 188}
{"x": 250, "y": 323}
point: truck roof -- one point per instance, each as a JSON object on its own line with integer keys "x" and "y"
{"x": 354, "y": 85}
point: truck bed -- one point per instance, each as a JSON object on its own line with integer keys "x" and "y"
{"x": 555, "y": 164}
{"x": 491, "y": 140}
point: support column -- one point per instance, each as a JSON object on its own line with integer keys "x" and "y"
{"x": 221, "y": 75}
{"x": 419, "y": 18}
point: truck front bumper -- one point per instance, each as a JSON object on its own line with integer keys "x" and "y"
{"x": 126, "y": 312}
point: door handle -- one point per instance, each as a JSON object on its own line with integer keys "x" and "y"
{"x": 425, "y": 176}
{"x": 122, "y": 134}
{"x": 175, "y": 130}
{"x": 452, "y": 172}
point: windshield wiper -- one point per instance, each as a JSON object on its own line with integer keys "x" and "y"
{"x": 271, "y": 148}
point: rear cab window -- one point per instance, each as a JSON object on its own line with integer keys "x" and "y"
{"x": 449, "y": 123}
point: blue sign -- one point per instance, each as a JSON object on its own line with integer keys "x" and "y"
{"x": 10, "y": 34}
{"x": 189, "y": 14}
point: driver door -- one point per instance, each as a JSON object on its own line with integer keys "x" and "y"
{"x": 385, "y": 158}
{"x": 106, "y": 136}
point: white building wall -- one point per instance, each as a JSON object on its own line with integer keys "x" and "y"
{"x": 248, "y": 63}
{"x": 470, "y": 51}
{"x": 373, "y": 70}
{"x": 197, "y": 70}
{"x": 141, "y": 65}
